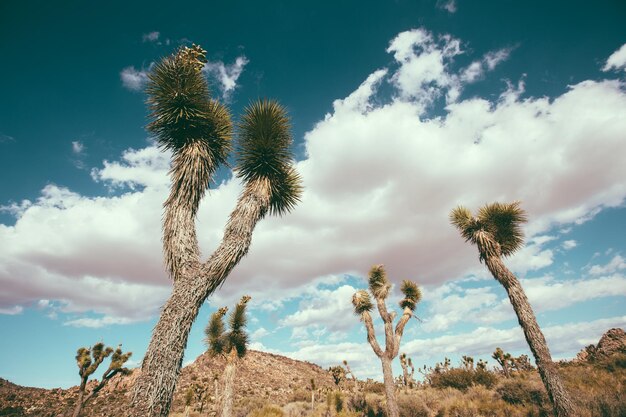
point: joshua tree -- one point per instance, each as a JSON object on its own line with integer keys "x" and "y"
{"x": 232, "y": 345}
{"x": 379, "y": 286}
{"x": 338, "y": 373}
{"x": 503, "y": 359}
{"x": 349, "y": 372}
{"x": 197, "y": 130}
{"x": 406, "y": 363}
{"x": 88, "y": 360}
{"x": 496, "y": 231}
{"x": 312, "y": 394}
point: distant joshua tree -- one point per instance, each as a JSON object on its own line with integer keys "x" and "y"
{"x": 198, "y": 131}
{"x": 379, "y": 286}
{"x": 233, "y": 345}
{"x": 88, "y": 360}
{"x": 407, "y": 377}
{"x": 496, "y": 231}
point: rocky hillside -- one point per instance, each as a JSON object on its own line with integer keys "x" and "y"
{"x": 274, "y": 378}
{"x": 611, "y": 342}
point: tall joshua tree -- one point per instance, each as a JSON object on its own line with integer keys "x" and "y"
{"x": 379, "y": 286}
{"x": 233, "y": 345}
{"x": 496, "y": 231}
{"x": 198, "y": 131}
{"x": 88, "y": 360}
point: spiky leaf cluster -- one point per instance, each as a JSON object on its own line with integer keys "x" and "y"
{"x": 215, "y": 332}
{"x": 264, "y": 153}
{"x": 362, "y": 302}
{"x": 181, "y": 109}
{"x": 378, "y": 282}
{"x": 412, "y": 295}
{"x": 496, "y": 229}
{"x": 118, "y": 359}
{"x": 221, "y": 342}
{"x": 88, "y": 359}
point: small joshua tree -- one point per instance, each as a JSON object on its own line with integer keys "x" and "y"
{"x": 338, "y": 373}
{"x": 379, "y": 286}
{"x": 233, "y": 345}
{"x": 312, "y": 394}
{"x": 88, "y": 360}
{"x": 349, "y": 372}
{"x": 407, "y": 377}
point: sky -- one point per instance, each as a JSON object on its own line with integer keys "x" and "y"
{"x": 400, "y": 111}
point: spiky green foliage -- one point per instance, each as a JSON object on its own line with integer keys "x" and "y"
{"x": 220, "y": 342}
{"x": 362, "y": 302}
{"x": 264, "y": 153}
{"x": 238, "y": 338}
{"x": 118, "y": 359}
{"x": 412, "y": 295}
{"x": 181, "y": 108}
{"x": 88, "y": 359}
{"x": 215, "y": 332}
{"x": 378, "y": 282}
{"x": 496, "y": 229}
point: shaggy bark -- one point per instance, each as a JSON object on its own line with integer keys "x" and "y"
{"x": 229, "y": 386}
{"x": 154, "y": 389}
{"x": 390, "y": 387}
{"x": 547, "y": 369}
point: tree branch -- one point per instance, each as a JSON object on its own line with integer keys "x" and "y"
{"x": 371, "y": 335}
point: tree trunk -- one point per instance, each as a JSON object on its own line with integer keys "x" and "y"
{"x": 390, "y": 388}
{"x": 79, "y": 401}
{"x": 229, "y": 387}
{"x": 534, "y": 337}
{"x": 154, "y": 388}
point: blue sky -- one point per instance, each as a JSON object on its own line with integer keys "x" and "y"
{"x": 401, "y": 110}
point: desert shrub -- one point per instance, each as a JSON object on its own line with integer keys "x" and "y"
{"x": 374, "y": 387}
{"x": 249, "y": 404}
{"x": 268, "y": 411}
{"x": 300, "y": 395}
{"x": 462, "y": 379}
{"x": 297, "y": 409}
{"x": 412, "y": 406}
{"x": 522, "y": 391}
{"x": 338, "y": 401}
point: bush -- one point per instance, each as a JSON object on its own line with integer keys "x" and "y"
{"x": 267, "y": 411}
{"x": 521, "y": 391}
{"x": 300, "y": 395}
{"x": 462, "y": 379}
{"x": 412, "y": 406}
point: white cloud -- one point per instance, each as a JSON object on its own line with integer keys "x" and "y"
{"x": 11, "y": 311}
{"x": 569, "y": 244}
{"x": 77, "y": 147}
{"x": 259, "y": 334}
{"x": 449, "y": 5}
{"x": 97, "y": 323}
{"x": 617, "y": 263}
{"x": 380, "y": 180}
{"x": 226, "y": 75}
{"x": 150, "y": 37}
{"x": 617, "y": 60}
{"x": 564, "y": 340}
{"x": 133, "y": 79}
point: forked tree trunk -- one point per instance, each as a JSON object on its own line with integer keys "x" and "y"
{"x": 390, "y": 388}
{"x": 547, "y": 369}
{"x": 226, "y": 405}
{"x": 154, "y": 388}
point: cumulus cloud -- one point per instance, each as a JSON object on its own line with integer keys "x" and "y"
{"x": 569, "y": 244}
{"x": 133, "y": 79}
{"x": 617, "y": 60}
{"x": 380, "y": 179}
{"x": 226, "y": 75}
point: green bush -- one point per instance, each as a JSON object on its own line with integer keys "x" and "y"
{"x": 462, "y": 379}
{"x": 521, "y": 391}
